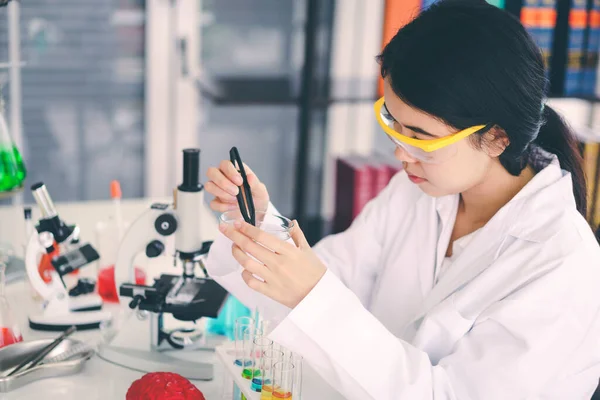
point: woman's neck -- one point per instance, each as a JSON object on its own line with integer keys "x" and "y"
{"x": 480, "y": 203}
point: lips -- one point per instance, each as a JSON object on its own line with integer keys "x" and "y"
{"x": 415, "y": 179}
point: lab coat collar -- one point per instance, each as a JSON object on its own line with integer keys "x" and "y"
{"x": 546, "y": 193}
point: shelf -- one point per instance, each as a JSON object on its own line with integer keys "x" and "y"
{"x": 7, "y": 65}
{"x": 263, "y": 91}
{"x": 247, "y": 90}
{"x": 590, "y": 98}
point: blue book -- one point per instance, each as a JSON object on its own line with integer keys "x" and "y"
{"x": 576, "y": 47}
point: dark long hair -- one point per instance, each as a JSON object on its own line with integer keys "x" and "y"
{"x": 469, "y": 63}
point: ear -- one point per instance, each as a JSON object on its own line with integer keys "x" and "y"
{"x": 495, "y": 141}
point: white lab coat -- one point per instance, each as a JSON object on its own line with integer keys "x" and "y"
{"x": 516, "y": 316}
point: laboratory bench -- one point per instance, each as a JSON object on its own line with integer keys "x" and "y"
{"x": 100, "y": 379}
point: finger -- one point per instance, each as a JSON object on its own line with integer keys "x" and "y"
{"x": 248, "y": 245}
{"x": 257, "y": 188}
{"x": 254, "y": 283}
{"x": 253, "y": 180}
{"x": 298, "y": 236}
{"x": 231, "y": 172}
{"x": 249, "y": 264}
{"x": 213, "y": 189}
{"x": 220, "y": 206}
{"x": 217, "y": 177}
{"x": 258, "y": 235}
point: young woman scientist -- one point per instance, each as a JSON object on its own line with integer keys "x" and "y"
{"x": 473, "y": 275}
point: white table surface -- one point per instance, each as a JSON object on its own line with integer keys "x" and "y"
{"x": 99, "y": 380}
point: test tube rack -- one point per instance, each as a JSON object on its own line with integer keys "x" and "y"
{"x": 226, "y": 354}
{"x": 313, "y": 386}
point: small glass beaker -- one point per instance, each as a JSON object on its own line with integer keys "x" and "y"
{"x": 274, "y": 224}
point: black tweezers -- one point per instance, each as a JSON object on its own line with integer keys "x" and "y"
{"x": 244, "y": 196}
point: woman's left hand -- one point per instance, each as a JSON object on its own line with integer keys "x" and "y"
{"x": 289, "y": 272}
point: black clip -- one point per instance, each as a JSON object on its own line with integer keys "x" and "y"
{"x": 244, "y": 196}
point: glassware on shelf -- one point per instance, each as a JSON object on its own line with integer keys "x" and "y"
{"x": 12, "y": 168}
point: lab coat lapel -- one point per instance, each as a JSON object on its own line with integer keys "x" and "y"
{"x": 511, "y": 220}
{"x": 475, "y": 258}
{"x": 447, "y": 208}
{"x": 426, "y": 255}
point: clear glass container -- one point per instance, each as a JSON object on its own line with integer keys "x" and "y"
{"x": 12, "y": 168}
{"x": 274, "y": 224}
{"x": 283, "y": 380}
{"x": 108, "y": 238}
{"x": 9, "y": 329}
{"x": 260, "y": 345}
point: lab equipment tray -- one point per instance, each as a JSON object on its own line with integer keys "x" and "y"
{"x": 11, "y": 356}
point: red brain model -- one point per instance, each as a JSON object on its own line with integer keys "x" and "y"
{"x": 163, "y": 386}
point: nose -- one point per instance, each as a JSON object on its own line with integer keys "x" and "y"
{"x": 402, "y": 155}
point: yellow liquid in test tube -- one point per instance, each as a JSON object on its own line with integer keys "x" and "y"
{"x": 266, "y": 393}
{"x": 282, "y": 395}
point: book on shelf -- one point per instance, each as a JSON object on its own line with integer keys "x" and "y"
{"x": 359, "y": 179}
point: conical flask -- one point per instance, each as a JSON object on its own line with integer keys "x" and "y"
{"x": 9, "y": 330}
{"x": 12, "y": 169}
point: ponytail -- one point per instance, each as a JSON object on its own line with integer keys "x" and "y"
{"x": 556, "y": 137}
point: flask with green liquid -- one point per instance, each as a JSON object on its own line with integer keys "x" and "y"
{"x": 12, "y": 169}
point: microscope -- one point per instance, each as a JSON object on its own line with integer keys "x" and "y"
{"x": 186, "y": 296}
{"x": 62, "y": 308}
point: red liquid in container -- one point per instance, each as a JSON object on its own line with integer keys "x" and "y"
{"x": 8, "y": 336}
{"x": 106, "y": 283}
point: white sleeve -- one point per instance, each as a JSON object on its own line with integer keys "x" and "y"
{"x": 513, "y": 349}
{"x": 355, "y": 255}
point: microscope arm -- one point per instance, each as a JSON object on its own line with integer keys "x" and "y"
{"x": 33, "y": 251}
{"x": 147, "y": 234}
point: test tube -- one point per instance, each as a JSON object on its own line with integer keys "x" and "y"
{"x": 287, "y": 353}
{"x": 241, "y": 324}
{"x": 283, "y": 380}
{"x": 297, "y": 387}
{"x": 269, "y": 358}
{"x": 261, "y": 344}
{"x": 267, "y": 325}
{"x": 247, "y": 358}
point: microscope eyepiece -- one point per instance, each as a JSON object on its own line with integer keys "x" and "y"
{"x": 191, "y": 171}
{"x": 43, "y": 200}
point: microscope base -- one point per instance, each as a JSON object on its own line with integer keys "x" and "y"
{"x": 152, "y": 361}
{"x": 83, "y": 320}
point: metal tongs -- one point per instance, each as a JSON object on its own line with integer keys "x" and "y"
{"x": 244, "y": 196}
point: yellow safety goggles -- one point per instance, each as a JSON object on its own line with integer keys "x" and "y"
{"x": 433, "y": 151}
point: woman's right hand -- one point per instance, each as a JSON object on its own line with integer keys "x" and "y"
{"x": 224, "y": 182}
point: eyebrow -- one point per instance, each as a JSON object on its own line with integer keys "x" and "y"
{"x": 412, "y": 128}
{"x": 419, "y": 130}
